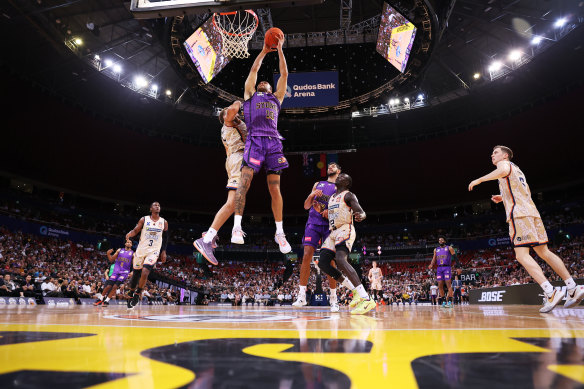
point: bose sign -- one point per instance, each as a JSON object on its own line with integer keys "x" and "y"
{"x": 315, "y": 89}
{"x": 528, "y": 294}
{"x": 491, "y": 296}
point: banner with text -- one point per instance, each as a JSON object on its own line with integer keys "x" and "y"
{"x": 527, "y": 294}
{"x": 315, "y": 89}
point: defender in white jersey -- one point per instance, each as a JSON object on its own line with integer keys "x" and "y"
{"x": 526, "y": 229}
{"x": 375, "y": 277}
{"x": 153, "y": 231}
{"x": 233, "y": 135}
{"x": 341, "y": 208}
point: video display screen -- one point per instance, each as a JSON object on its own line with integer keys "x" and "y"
{"x": 205, "y": 47}
{"x": 395, "y": 38}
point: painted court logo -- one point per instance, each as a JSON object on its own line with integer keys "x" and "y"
{"x": 216, "y": 318}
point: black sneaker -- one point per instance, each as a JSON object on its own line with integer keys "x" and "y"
{"x": 105, "y": 303}
{"x": 135, "y": 299}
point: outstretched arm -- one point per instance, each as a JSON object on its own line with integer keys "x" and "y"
{"x": 503, "y": 169}
{"x": 283, "y": 81}
{"x": 250, "y": 83}
{"x": 232, "y": 111}
{"x": 136, "y": 229}
{"x": 351, "y": 201}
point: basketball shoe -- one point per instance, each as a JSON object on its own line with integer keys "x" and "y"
{"x": 550, "y": 302}
{"x": 334, "y": 304}
{"x": 356, "y": 299}
{"x": 364, "y": 306}
{"x": 285, "y": 247}
{"x": 237, "y": 235}
{"x": 575, "y": 296}
{"x": 300, "y": 302}
{"x": 206, "y": 250}
{"x": 97, "y": 303}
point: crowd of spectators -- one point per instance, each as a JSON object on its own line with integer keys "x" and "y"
{"x": 33, "y": 266}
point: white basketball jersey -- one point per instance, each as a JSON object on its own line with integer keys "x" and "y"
{"x": 338, "y": 211}
{"x": 150, "y": 237}
{"x": 375, "y": 273}
{"x": 232, "y": 139}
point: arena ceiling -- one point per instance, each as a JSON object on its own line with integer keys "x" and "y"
{"x": 467, "y": 36}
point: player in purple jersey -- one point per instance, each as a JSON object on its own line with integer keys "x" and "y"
{"x": 443, "y": 256}
{"x": 122, "y": 267}
{"x": 263, "y": 146}
{"x": 316, "y": 232}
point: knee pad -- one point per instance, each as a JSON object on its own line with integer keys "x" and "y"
{"x": 326, "y": 256}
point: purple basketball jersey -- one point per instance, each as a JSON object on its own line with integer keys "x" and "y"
{"x": 443, "y": 256}
{"x": 328, "y": 189}
{"x": 124, "y": 261}
{"x": 261, "y": 115}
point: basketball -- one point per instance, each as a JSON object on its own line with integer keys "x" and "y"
{"x": 272, "y": 36}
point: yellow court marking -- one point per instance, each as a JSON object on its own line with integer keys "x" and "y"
{"x": 117, "y": 349}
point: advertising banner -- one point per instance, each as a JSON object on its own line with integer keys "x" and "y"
{"x": 315, "y": 89}
{"x": 528, "y": 294}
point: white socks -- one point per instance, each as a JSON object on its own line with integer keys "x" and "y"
{"x": 209, "y": 235}
{"x": 570, "y": 284}
{"x": 547, "y": 287}
{"x": 348, "y": 284}
{"x": 279, "y": 227}
{"x": 237, "y": 221}
{"x": 362, "y": 292}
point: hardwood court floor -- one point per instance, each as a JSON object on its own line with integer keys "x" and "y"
{"x": 282, "y": 347}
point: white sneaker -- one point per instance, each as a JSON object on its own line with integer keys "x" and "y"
{"x": 300, "y": 302}
{"x": 550, "y": 302}
{"x": 575, "y": 296}
{"x": 237, "y": 235}
{"x": 285, "y": 247}
{"x": 335, "y": 306}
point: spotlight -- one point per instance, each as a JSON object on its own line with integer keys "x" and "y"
{"x": 536, "y": 40}
{"x": 108, "y": 62}
{"x": 391, "y": 102}
{"x": 154, "y": 87}
{"x": 407, "y": 99}
{"x": 140, "y": 81}
{"x": 497, "y": 65}
{"x": 117, "y": 68}
{"x": 476, "y": 76}
{"x": 96, "y": 57}
{"x": 420, "y": 97}
{"x": 560, "y": 23}
{"x": 397, "y": 101}
{"x": 168, "y": 92}
{"x": 78, "y": 41}
{"x": 515, "y": 55}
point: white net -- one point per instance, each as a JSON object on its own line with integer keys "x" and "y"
{"x": 236, "y": 29}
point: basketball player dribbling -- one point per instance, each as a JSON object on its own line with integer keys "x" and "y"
{"x": 527, "y": 230}
{"x": 122, "y": 259}
{"x": 263, "y": 147}
{"x": 152, "y": 245}
{"x": 316, "y": 232}
{"x": 341, "y": 208}
{"x": 233, "y": 135}
{"x": 443, "y": 255}
{"x": 375, "y": 277}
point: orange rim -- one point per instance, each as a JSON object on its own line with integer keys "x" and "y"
{"x": 233, "y": 13}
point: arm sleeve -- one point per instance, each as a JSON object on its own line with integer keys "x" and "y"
{"x": 165, "y": 238}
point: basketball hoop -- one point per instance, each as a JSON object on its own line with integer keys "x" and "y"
{"x": 236, "y": 29}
